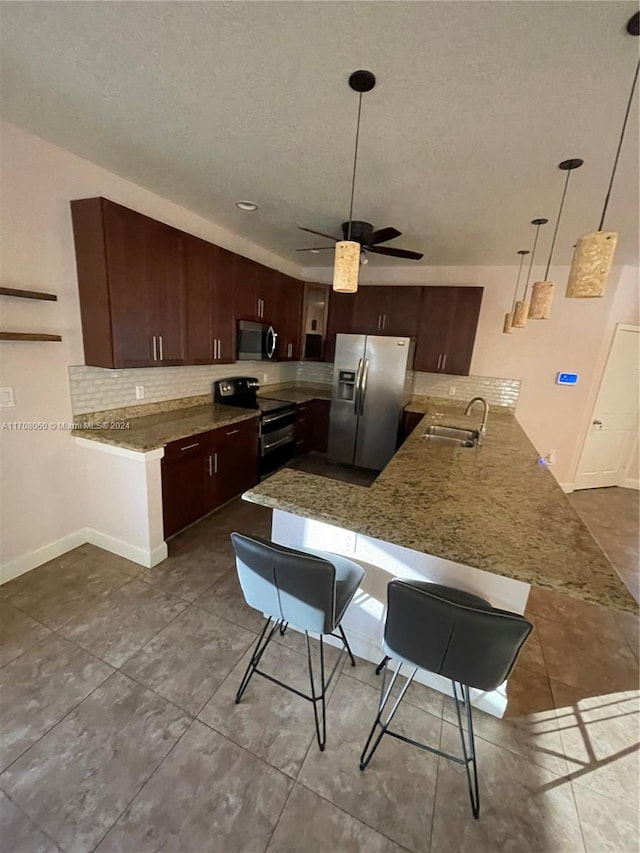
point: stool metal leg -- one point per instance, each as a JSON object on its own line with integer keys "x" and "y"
{"x": 261, "y": 644}
{"x": 346, "y": 645}
{"x": 382, "y": 664}
{"x": 367, "y": 754}
{"x": 468, "y": 750}
{"x": 321, "y": 724}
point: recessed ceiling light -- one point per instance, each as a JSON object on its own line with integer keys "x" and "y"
{"x": 247, "y": 205}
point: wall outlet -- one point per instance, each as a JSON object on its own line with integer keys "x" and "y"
{"x": 550, "y": 458}
{"x": 265, "y": 377}
{"x": 139, "y": 392}
{"x": 7, "y": 400}
{"x": 452, "y": 390}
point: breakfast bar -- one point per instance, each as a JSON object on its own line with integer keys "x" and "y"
{"x": 489, "y": 519}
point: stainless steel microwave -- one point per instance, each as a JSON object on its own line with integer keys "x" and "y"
{"x": 256, "y": 341}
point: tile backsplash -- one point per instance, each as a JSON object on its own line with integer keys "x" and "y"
{"x": 97, "y": 389}
{"x": 496, "y": 391}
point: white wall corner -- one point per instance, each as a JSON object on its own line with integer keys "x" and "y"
{"x": 36, "y": 558}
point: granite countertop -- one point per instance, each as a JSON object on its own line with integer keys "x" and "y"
{"x": 493, "y": 507}
{"x": 152, "y": 432}
{"x": 297, "y": 393}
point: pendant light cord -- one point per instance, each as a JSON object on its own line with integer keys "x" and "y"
{"x": 555, "y": 230}
{"x": 617, "y": 157}
{"x": 515, "y": 295}
{"x": 355, "y": 163}
{"x": 533, "y": 254}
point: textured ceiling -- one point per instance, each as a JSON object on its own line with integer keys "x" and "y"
{"x": 476, "y": 104}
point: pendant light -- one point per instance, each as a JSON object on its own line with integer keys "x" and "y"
{"x": 508, "y": 318}
{"x": 542, "y": 291}
{"x": 346, "y": 266}
{"x": 521, "y": 311}
{"x": 593, "y": 255}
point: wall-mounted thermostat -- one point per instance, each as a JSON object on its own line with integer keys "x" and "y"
{"x": 567, "y": 379}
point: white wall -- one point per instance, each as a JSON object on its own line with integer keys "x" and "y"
{"x": 576, "y": 338}
{"x": 42, "y": 478}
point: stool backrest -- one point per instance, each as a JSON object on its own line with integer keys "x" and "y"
{"x": 286, "y": 584}
{"x": 453, "y": 634}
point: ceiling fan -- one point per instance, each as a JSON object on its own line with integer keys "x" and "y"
{"x": 369, "y": 240}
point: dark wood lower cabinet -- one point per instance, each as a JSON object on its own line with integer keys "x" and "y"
{"x": 202, "y": 472}
{"x": 312, "y": 426}
{"x": 408, "y": 423}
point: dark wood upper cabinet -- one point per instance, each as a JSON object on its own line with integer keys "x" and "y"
{"x": 339, "y": 320}
{"x": 208, "y": 282}
{"x": 246, "y": 291}
{"x": 287, "y": 316}
{"x": 447, "y": 329}
{"x": 402, "y": 311}
{"x": 369, "y": 307}
{"x": 130, "y": 286}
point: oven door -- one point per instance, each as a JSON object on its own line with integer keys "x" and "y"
{"x": 277, "y": 440}
{"x": 256, "y": 341}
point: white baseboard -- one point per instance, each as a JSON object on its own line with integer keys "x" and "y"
{"x": 567, "y": 488}
{"x": 630, "y": 484}
{"x": 36, "y": 558}
{"x": 42, "y": 555}
{"x": 141, "y": 556}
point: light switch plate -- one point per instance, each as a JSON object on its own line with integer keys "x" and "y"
{"x": 139, "y": 392}
{"x": 7, "y": 400}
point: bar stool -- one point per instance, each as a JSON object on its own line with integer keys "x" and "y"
{"x": 454, "y": 634}
{"x": 309, "y": 590}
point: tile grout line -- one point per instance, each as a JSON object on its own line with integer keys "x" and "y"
{"x": 37, "y": 825}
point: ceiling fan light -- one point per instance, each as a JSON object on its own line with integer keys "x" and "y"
{"x": 507, "y": 328}
{"x": 346, "y": 266}
{"x": 520, "y": 315}
{"x": 591, "y": 264}
{"x": 541, "y": 299}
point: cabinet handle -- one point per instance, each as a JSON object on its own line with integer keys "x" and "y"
{"x": 155, "y": 349}
{"x": 210, "y": 465}
{"x": 219, "y": 348}
{"x": 161, "y": 348}
{"x": 384, "y": 322}
{"x": 233, "y": 432}
{"x": 444, "y": 361}
{"x": 215, "y": 463}
{"x": 439, "y": 360}
{"x": 289, "y": 350}
{"x": 189, "y": 446}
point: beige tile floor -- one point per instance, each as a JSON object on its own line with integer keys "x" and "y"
{"x": 119, "y": 731}
{"x": 613, "y": 517}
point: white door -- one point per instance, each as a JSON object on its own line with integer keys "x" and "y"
{"x": 613, "y": 433}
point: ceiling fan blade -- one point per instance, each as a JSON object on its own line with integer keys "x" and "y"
{"x": 318, "y": 233}
{"x": 396, "y": 253}
{"x": 382, "y": 235}
{"x": 315, "y": 249}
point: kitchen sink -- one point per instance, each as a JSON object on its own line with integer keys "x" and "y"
{"x": 455, "y": 436}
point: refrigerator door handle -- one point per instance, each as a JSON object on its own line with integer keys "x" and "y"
{"x": 363, "y": 384}
{"x": 356, "y": 393}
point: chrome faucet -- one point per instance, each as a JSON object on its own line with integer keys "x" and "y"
{"x": 483, "y": 426}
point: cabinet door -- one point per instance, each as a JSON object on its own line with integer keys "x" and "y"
{"x": 408, "y": 423}
{"x": 462, "y": 333}
{"x": 321, "y": 412}
{"x": 268, "y": 281}
{"x": 287, "y": 320}
{"x": 402, "y": 311}
{"x": 370, "y": 306}
{"x": 304, "y": 428}
{"x": 223, "y": 290}
{"x": 166, "y": 293}
{"x": 246, "y": 290}
{"x": 436, "y": 314}
{"x": 129, "y": 297}
{"x": 339, "y": 320}
{"x": 235, "y": 460}
{"x": 184, "y": 483}
{"x": 197, "y": 258}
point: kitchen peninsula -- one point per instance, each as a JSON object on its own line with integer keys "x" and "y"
{"x": 490, "y": 519}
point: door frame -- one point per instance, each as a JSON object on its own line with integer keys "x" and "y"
{"x": 627, "y": 482}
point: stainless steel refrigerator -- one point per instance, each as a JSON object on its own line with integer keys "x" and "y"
{"x": 371, "y": 384}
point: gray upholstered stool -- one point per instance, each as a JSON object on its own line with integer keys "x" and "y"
{"x": 454, "y": 634}
{"x": 311, "y": 591}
